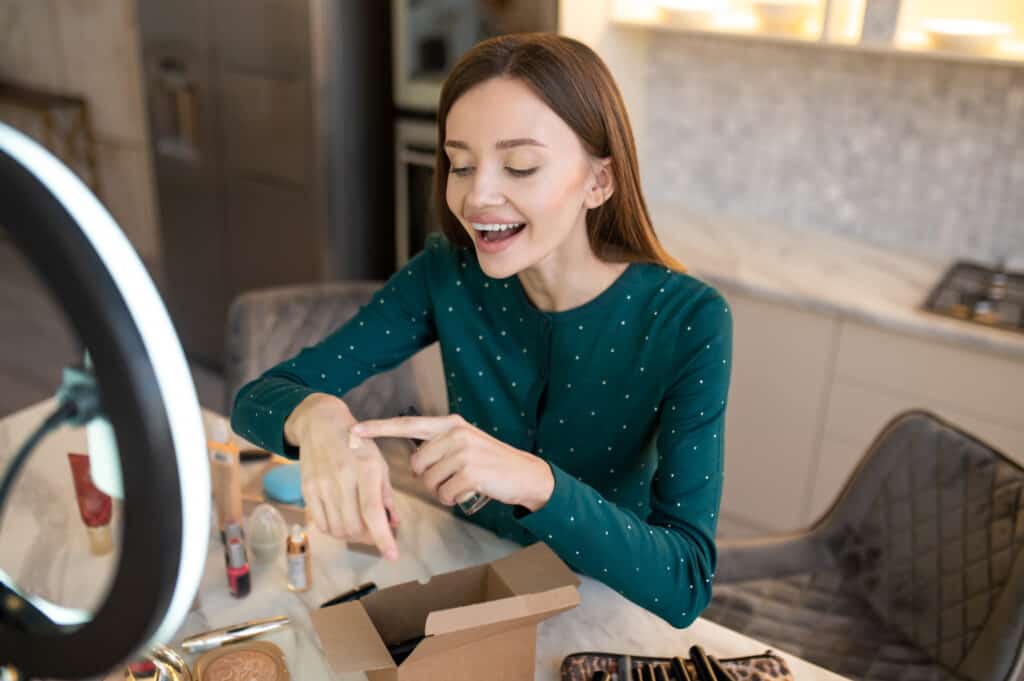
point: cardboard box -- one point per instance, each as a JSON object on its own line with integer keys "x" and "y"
{"x": 479, "y": 622}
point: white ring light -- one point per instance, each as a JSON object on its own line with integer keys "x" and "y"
{"x": 164, "y": 354}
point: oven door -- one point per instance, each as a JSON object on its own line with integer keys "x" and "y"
{"x": 429, "y": 36}
{"x": 415, "y": 214}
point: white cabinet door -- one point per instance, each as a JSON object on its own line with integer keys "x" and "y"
{"x": 838, "y": 457}
{"x": 880, "y": 374}
{"x": 987, "y": 386}
{"x": 780, "y": 376}
{"x": 858, "y": 412}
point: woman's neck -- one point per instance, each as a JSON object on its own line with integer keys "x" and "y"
{"x": 570, "y": 276}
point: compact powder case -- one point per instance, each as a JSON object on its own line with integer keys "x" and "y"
{"x": 257, "y": 661}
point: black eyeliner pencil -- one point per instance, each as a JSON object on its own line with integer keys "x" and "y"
{"x": 351, "y": 595}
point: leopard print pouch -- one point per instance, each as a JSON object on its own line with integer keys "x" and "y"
{"x": 581, "y": 667}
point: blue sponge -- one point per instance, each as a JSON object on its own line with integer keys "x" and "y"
{"x": 284, "y": 484}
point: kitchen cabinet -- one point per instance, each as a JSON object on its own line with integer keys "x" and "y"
{"x": 881, "y": 373}
{"x": 271, "y": 132}
{"x": 857, "y": 411}
{"x": 916, "y": 33}
{"x": 811, "y": 390}
{"x": 986, "y": 386}
{"x": 780, "y": 377}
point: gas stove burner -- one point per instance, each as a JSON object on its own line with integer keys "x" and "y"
{"x": 984, "y": 295}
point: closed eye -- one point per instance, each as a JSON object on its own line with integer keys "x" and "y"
{"x": 515, "y": 172}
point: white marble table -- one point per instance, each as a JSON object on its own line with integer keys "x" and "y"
{"x": 43, "y": 545}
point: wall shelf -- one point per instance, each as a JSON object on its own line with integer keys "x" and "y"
{"x": 909, "y": 43}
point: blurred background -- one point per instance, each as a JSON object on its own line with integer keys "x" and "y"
{"x": 849, "y": 173}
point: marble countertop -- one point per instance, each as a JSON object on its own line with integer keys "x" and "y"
{"x": 823, "y": 272}
{"x": 52, "y": 559}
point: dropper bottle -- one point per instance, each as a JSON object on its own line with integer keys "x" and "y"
{"x": 300, "y": 576}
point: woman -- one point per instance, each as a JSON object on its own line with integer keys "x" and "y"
{"x": 587, "y": 375}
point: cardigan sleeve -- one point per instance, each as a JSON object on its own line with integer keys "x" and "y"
{"x": 392, "y": 326}
{"x": 664, "y": 562}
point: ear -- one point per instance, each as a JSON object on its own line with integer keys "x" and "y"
{"x": 601, "y": 183}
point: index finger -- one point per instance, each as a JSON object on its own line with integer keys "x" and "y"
{"x": 413, "y": 427}
{"x": 375, "y": 518}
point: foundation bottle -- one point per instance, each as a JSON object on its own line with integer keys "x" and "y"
{"x": 300, "y": 576}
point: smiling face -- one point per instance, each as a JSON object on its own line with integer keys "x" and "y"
{"x": 520, "y": 181}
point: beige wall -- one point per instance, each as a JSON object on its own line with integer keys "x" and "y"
{"x": 90, "y": 49}
{"x": 624, "y": 52}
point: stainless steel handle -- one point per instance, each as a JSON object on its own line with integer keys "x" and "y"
{"x": 178, "y": 135}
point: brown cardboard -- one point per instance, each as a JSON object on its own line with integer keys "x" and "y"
{"x": 479, "y": 622}
{"x": 535, "y": 568}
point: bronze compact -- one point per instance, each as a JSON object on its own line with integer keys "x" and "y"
{"x": 257, "y": 661}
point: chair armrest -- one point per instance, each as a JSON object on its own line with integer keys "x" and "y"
{"x": 771, "y": 556}
{"x": 267, "y": 326}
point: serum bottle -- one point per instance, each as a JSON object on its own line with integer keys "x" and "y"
{"x": 300, "y": 577}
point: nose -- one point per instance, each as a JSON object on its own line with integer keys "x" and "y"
{"x": 486, "y": 190}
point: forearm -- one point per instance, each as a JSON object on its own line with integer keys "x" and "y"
{"x": 665, "y": 567}
{"x": 264, "y": 409}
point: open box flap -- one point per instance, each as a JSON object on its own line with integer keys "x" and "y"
{"x": 399, "y": 612}
{"x": 349, "y": 639}
{"x": 533, "y": 569}
{"x": 449, "y": 629}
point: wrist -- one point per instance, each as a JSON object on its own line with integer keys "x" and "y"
{"x": 541, "y": 487}
{"x": 315, "y": 407}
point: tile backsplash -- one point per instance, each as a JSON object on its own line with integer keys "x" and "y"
{"x": 917, "y": 154}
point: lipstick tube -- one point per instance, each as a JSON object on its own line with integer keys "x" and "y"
{"x": 239, "y": 579}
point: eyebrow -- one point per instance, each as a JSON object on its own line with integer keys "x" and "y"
{"x": 502, "y": 144}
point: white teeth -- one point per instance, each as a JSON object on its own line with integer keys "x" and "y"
{"x": 496, "y": 227}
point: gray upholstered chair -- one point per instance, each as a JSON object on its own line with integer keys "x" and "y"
{"x": 267, "y": 326}
{"x": 270, "y": 325}
{"x": 916, "y": 572}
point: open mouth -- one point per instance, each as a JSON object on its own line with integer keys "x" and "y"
{"x": 498, "y": 232}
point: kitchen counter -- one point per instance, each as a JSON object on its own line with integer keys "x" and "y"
{"x": 823, "y": 272}
{"x": 50, "y": 557}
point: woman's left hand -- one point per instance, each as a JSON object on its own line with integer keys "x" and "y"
{"x": 457, "y": 459}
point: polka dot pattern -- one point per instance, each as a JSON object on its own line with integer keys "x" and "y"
{"x": 624, "y": 397}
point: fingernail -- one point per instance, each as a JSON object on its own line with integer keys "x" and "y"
{"x": 357, "y": 429}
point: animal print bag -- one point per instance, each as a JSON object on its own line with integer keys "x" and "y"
{"x": 581, "y": 667}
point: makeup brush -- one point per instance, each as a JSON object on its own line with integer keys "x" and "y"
{"x": 679, "y": 669}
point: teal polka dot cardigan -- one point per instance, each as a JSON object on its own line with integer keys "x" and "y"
{"x": 624, "y": 396}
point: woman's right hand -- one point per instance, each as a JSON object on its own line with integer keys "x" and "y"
{"x": 345, "y": 483}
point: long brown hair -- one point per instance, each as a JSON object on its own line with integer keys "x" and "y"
{"x": 573, "y": 81}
